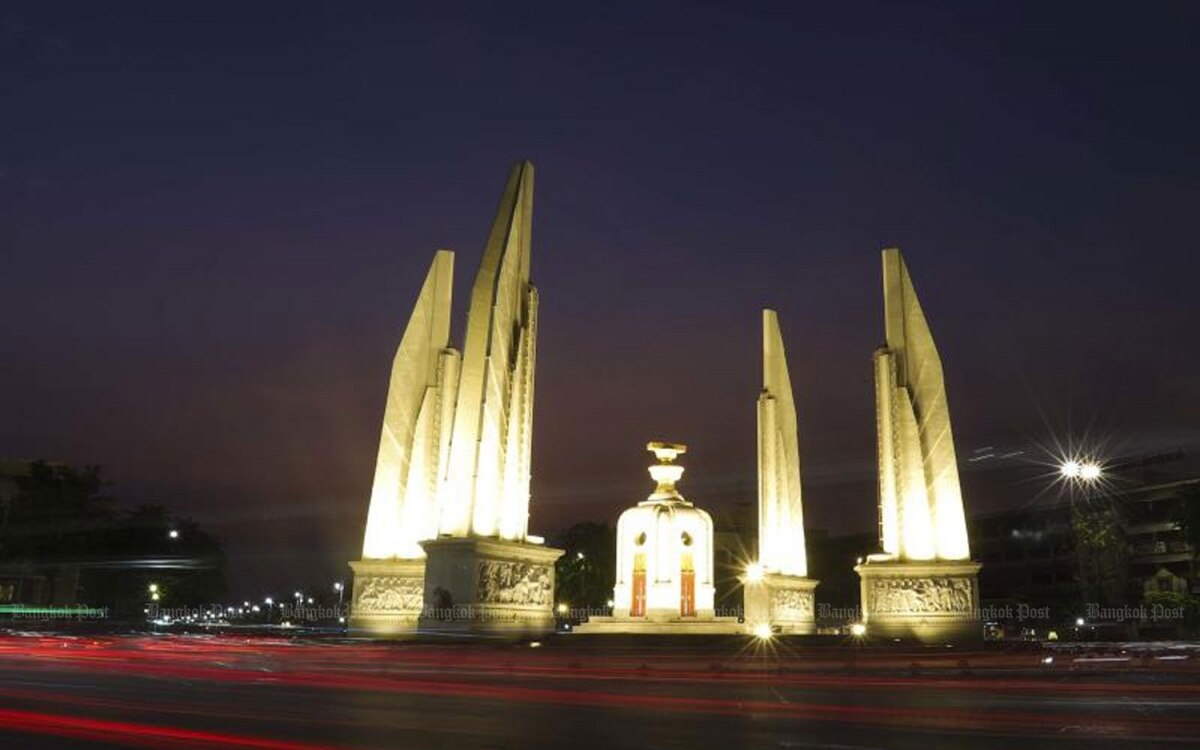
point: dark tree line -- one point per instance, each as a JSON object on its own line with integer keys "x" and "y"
{"x": 66, "y": 516}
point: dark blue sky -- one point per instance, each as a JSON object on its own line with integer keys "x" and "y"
{"x": 214, "y": 219}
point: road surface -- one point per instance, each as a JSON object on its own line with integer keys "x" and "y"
{"x": 278, "y": 694}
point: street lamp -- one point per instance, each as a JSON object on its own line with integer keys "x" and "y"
{"x": 1081, "y": 470}
{"x": 173, "y": 534}
{"x": 755, "y": 572}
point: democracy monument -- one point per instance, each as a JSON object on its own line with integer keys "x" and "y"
{"x": 447, "y": 544}
{"x": 777, "y": 593}
{"x": 923, "y": 584}
{"x": 447, "y": 547}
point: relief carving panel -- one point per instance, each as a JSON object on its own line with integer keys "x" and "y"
{"x": 514, "y": 583}
{"x": 921, "y": 596}
{"x": 789, "y": 604}
{"x": 388, "y": 594}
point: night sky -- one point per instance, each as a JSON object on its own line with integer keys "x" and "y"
{"x": 215, "y": 218}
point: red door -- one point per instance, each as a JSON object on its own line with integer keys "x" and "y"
{"x": 638, "y": 607}
{"x": 687, "y": 588}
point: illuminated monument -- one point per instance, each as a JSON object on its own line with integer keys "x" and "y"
{"x": 447, "y": 545}
{"x": 664, "y": 581}
{"x": 776, "y": 589}
{"x": 924, "y": 584}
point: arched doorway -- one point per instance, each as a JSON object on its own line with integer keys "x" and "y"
{"x": 687, "y": 586}
{"x": 638, "y": 605}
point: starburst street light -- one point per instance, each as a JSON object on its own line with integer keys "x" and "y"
{"x": 1080, "y": 470}
{"x": 755, "y": 572}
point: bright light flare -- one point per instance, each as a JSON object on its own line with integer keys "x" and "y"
{"x": 755, "y": 572}
{"x": 858, "y": 630}
{"x": 762, "y": 631}
{"x": 1070, "y": 469}
{"x": 1090, "y": 472}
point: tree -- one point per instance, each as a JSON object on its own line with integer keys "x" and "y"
{"x": 59, "y": 512}
{"x": 1186, "y": 515}
{"x": 64, "y": 516}
{"x": 585, "y": 575}
{"x": 1171, "y": 606}
{"x": 1102, "y": 551}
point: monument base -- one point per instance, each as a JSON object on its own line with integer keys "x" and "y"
{"x": 786, "y": 603}
{"x": 487, "y": 586}
{"x": 701, "y": 624}
{"x": 387, "y": 596}
{"x": 930, "y": 602}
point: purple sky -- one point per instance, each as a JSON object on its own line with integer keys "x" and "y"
{"x": 215, "y": 218}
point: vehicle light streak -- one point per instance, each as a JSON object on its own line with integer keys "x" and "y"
{"x": 139, "y": 735}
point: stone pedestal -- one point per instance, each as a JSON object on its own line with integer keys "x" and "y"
{"x": 487, "y": 586}
{"x": 387, "y": 596}
{"x": 786, "y": 603}
{"x": 931, "y": 602}
{"x": 701, "y": 624}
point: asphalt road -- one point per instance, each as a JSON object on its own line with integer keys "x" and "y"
{"x": 273, "y": 694}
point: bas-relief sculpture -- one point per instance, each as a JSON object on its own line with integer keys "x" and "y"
{"x": 454, "y": 454}
{"x": 925, "y": 563}
{"x": 774, "y": 598}
{"x": 388, "y": 594}
{"x": 515, "y": 583}
{"x": 920, "y": 595}
{"x": 791, "y": 604}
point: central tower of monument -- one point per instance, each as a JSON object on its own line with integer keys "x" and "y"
{"x": 924, "y": 584}
{"x": 664, "y": 576}
{"x": 447, "y": 545}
